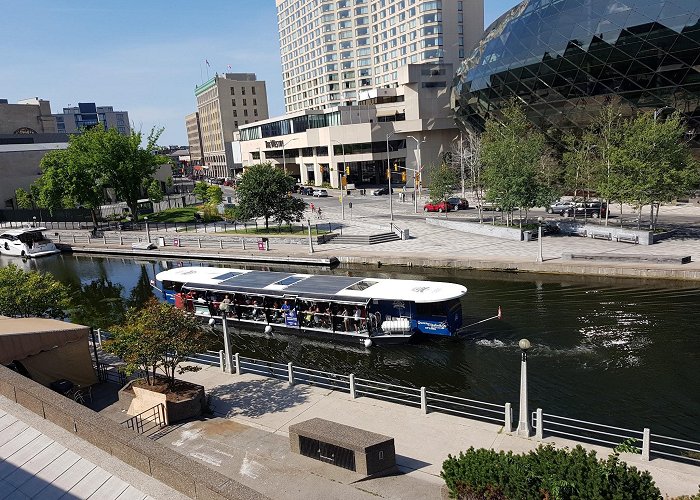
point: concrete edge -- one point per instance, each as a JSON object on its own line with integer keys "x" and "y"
{"x": 163, "y": 464}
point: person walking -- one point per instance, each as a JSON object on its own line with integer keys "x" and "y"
{"x": 318, "y": 212}
{"x": 313, "y": 208}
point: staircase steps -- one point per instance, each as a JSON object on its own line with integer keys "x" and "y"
{"x": 365, "y": 239}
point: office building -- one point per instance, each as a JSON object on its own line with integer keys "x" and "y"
{"x": 87, "y": 114}
{"x": 194, "y": 138}
{"x": 224, "y": 103}
{"x": 333, "y": 50}
{"x": 411, "y": 125}
{"x": 565, "y": 60}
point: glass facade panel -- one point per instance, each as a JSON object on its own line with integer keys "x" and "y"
{"x": 566, "y": 58}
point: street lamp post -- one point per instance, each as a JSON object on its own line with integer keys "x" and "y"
{"x": 417, "y": 173}
{"x": 148, "y": 232}
{"x": 388, "y": 174}
{"x": 340, "y": 179}
{"x": 284, "y": 155}
{"x": 540, "y": 258}
{"x": 524, "y": 429}
{"x": 34, "y": 221}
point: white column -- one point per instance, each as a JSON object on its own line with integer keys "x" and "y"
{"x": 227, "y": 345}
{"x": 524, "y": 429}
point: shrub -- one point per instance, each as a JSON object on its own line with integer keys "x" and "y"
{"x": 546, "y": 473}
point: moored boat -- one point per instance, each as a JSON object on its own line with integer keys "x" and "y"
{"x": 26, "y": 242}
{"x": 339, "y": 308}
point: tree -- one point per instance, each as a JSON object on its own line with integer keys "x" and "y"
{"x": 442, "y": 183}
{"x": 155, "y": 193}
{"x": 32, "y": 294}
{"x": 99, "y": 303}
{"x": 201, "y": 191}
{"x": 512, "y": 156}
{"x": 264, "y": 191}
{"x": 582, "y": 164}
{"x": 158, "y": 337}
{"x": 215, "y": 195}
{"x": 24, "y": 199}
{"x": 466, "y": 156}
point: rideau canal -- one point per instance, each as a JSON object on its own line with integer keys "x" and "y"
{"x": 619, "y": 352}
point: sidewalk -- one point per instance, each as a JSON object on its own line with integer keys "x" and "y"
{"x": 250, "y": 443}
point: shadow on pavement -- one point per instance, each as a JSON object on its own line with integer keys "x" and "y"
{"x": 255, "y": 398}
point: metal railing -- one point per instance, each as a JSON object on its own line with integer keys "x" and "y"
{"x": 112, "y": 374}
{"x": 146, "y": 421}
{"x": 210, "y": 358}
{"x": 463, "y": 407}
{"x": 674, "y": 448}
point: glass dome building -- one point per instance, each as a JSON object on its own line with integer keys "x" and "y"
{"x": 565, "y": 59}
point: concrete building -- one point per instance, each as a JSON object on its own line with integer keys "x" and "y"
{"x": 27, "y": 132}
{"x": 413, "y": 121}
{"x": 224, "y": 103}
{"x": 194, "y": 138}
{"x": 332, "y": 50}
{"x": 87, "y": 115}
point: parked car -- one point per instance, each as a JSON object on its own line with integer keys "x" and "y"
{"x": 441, "y": 207}
{"x": 458, "y": 203}
{"x": 559, "y": 207}
{"x": 489, "y": 206}
{"x": 381, "y": 191}
{"x": 592, "y": 209}
{"x": 320, "y": 193}
{"x": 307, "y": 190}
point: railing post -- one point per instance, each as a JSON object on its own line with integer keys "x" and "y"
{"x": 243, "y": 243}
{"x": 539, "y": 430}
{"x": 423, "y": 400}
{"x": 104, "y": 239}
{"x": 646, "y": 444}
{"x": 59, "y": 237}
{"x": 352, "y": 386}
{"x": 73, "y": 238}
{"x": 121, "y": 240}
{"x": 221, "y": 244}
{"x": 508, "y": 421}
{"x": 199, "y": 242}
{"x": 290, "y": 373}
{"x": 237, "y": 359}
{"x": 222, "y": 362}
{"x": 89, "y": 242}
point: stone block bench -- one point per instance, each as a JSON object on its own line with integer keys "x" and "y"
{"x": 633, "y": 258}
{"x": 355, "y": 449}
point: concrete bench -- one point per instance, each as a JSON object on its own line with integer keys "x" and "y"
{"x": 627, "y": 238}
{"x": 634, "y": 258}
{"x": 355, "y": 449}
{"x": 579, "y": 232}
{"x": 596, "y": 235}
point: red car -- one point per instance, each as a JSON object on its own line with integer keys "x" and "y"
{"x": 442, "y": 206}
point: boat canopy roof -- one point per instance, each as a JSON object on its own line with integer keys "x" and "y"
{"x": 309, "y": 285}
{"x": 22, "y": 230}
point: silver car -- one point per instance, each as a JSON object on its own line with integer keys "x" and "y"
{"x": 320, "y": 193}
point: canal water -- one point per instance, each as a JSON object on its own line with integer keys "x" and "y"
{"x": 619, "y": 352}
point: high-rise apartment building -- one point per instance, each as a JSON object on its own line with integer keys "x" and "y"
{"x": 87, "y": 115}
{"x": 333, "y": 49}
{"x": 194, "y": 138}
{"x": 224, "y": 103}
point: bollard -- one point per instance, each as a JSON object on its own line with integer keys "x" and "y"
{"x": 646, "y": 444}
{"x": 73, "y": 238}
{"x": 423, "y": 400}
{"x": 89, "y": 239}
{"x": 237, "y": 359}
{"x": 508, "y": 425}
{"x": 352, "y": 386}
{"x": 199, "y": 242}
{"x": 121, "y": 240}
{"x": 222, "y": 362}
{"x": 290, "y": 372}
{"x": 539, "y": 430}
{"x": 221, "y": 244}
{"x": 104, "y": 239}
{"x": 243, "y": 243}
{"x": 59, "y": 237}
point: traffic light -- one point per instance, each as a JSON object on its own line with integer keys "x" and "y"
{"x": 347, "y": 170}
{"x": 396, "y": 167}
{"x": 403, "y": 176}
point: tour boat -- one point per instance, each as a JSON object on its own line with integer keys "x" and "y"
{"x": 342, "y": 308}
{"x": 26, "y": 242}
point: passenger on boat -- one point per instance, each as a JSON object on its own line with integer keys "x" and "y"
{"x": 358, "y": 318}
{"x": 309, "y": 316}
{"x": 179, "y": 300}
{"x": 255, "y": 310}
{"x": 328, "y": 316}
{"x": 346, "y": 318}
{"x": 189, "y": 300}
{"x": 318, "y": 319}
{"x": 225, "y": 305}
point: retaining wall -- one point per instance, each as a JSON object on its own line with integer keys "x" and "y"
{"x": 164, "y": 464}
{"x": 506, "y": 233}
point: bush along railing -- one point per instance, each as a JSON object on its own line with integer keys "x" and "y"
{"x": 619, "y": 438}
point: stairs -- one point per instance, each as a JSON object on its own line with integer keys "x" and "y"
{"x": 364, "y": 239}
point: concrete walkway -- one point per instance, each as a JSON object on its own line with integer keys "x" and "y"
{"x": 249, "y": 441}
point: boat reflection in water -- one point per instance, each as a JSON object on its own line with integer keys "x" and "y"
{"x": 344, "y": 309}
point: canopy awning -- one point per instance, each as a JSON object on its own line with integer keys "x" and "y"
{"x": 23, "y": 337}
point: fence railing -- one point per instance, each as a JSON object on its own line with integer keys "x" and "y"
{"x": 642, "y": 442}
{"x": 146, "y": 421}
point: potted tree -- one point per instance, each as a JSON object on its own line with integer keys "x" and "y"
{"x": 154, "y": 341}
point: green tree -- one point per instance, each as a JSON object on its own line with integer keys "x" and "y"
{"x": 215, "y": 195}
{"x": 263, "y": 191}
{"x": 24, "y": 199}
{"x": 512, "y": 151}
{"x": 158, "y": 337}
{"x": 31, "y": 293}
{"x": 442, "y": 183}
{"x": 201, "y": 191}
{"x": 155, "y": 193}
{"x": 655, "y": 162}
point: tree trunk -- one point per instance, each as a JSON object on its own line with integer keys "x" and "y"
{"x": 267, "y": 220}
{"x": 93, "y": 213}
{"x": 651, "y": 216}
{"x": 620, "y": 214}
{"x": 134, "y": 211}
{"x": 639, "y": 216}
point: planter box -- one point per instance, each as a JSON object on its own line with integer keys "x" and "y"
{"x": 176, "y": 409}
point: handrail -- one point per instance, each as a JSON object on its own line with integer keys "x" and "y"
{"x": 136, "y": 422}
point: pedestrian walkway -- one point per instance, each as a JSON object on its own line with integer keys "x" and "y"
{"x": 250, "y": 441}
{"x": 40, "y": 460}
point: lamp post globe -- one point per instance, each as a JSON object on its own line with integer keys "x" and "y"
{"x": 524, "y": 344}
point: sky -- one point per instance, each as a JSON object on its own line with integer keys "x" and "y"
{"x": 144, "y": 57}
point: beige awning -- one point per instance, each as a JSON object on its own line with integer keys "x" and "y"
{"x": 23, "y": 337}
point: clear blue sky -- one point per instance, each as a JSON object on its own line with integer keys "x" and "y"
{"x": 144, "y": 56}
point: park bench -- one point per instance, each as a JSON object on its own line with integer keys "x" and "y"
{"x": 627, "y": 238}
{"x": 629, "y": 258}
{"x": 578, "y": 231}
{"x": 597, "y": 235}
{"x": 344, "y": 446}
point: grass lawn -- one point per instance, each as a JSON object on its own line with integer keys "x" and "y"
{"x": 185, "y": 214}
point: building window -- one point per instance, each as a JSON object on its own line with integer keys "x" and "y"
{"x": 235, "y": 113}
{"x": 255, "y": 112}
{"x": 233, "y": 102}
{"x": 245, "y": 112}
{"x": 235, "y": 124}
{"x": 242, "y": 90}
{"x": 245, "y": 102}
{"x": 233, "y": 91}
{"x": 252, "y": 89}
{"x": 255, "y": 102}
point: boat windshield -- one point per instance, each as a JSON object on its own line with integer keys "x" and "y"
{"x": 31, "y": 237}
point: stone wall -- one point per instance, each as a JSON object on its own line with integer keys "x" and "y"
{"x": 164, "y": 464}
{"x": 485, "y": 229}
